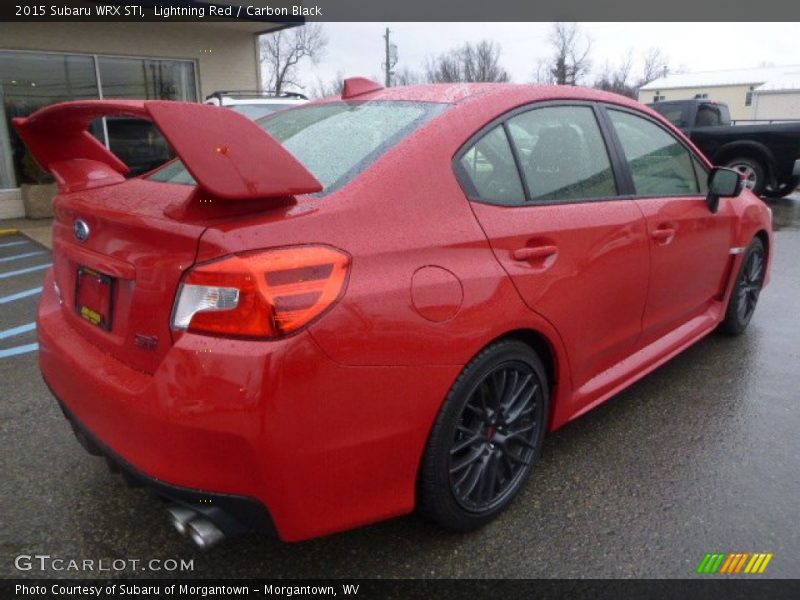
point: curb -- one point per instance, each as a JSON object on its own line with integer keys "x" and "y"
{"x": 9, "y": 231}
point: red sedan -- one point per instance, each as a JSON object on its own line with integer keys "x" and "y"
{"x": 376, "y": 302}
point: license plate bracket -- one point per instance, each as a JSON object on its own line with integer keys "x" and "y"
{"x": 94, "y": 293}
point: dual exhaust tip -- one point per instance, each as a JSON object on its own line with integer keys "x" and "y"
{"x": 195, "y": 526}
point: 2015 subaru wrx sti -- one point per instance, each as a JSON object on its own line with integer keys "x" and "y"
{"x": 376, "y": 302}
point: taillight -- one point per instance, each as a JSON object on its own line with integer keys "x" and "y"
{"x": 261, "y": 294}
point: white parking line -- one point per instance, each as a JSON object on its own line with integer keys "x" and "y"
{"x": 23, "y": 271}
{"x": 16, "y": 350}
{"x": 21, "y": 256}
{"x": 19, "y": 295}
{"x": 9, "y": 244}
{"x": 7, "y": 333}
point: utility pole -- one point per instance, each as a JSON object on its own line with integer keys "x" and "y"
{"x": 391, "y": 59}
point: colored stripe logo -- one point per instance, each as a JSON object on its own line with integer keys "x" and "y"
{"x": 734, "y": 563}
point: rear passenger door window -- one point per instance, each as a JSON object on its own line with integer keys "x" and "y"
{"x": 489, "y": 170}
{"x": 562, "y": 154}
{"x": 660, "y": 165}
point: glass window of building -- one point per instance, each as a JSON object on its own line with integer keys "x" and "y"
{"x": 28, "y": 82}
{"x": 31, "y": 80}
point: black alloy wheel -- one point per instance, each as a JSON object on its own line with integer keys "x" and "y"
{"x": 487, "y": 437}
{"x": 495, "y": 438}
{"x": 749, "y": 282}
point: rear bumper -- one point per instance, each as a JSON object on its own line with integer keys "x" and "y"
{"x": 321, "y": 446}
{"x": 232, "y": 514}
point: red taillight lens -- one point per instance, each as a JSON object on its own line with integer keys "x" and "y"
{"x": 265, "y": 294}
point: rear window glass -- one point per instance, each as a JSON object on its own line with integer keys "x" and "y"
{"x": 674, "y": 113}
{"x": 258, "y": 111}
{"x": 334, "y": 141}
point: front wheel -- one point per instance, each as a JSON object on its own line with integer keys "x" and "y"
{"x": 486, "y": 438}
{"x": 747, "y": 288}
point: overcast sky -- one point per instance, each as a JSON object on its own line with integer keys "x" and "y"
{"x": 357, "y": 48}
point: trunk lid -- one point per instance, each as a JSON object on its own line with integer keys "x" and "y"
{"x": 120, "y": 247}
{"x": 143, "y": 252}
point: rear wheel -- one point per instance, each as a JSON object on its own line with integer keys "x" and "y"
{"x": 747, "y": 288}
{"x": 782, "y": 189}
{"x": 753, "y": 172}
{"x": 486, "y": 438}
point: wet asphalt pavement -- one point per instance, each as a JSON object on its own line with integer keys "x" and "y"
{"x": 701, "y": 456}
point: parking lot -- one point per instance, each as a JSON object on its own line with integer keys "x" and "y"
{"x": 701, "y": 456}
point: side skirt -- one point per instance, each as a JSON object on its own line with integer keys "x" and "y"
{"x": 641, "y": 363}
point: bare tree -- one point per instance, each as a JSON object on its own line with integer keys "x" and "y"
{"x": 542, "y": 74}
{"x": 570, "y": 61}
{"x": 655, "y": 65}
{"x": 445, "y": 68}
{"x": 479, "y": 61}
{"x": 617, "y": 78}
{"x": 283, "y": 50}
{"x": 333, "y": 87}
{"x": 406, "y": 76}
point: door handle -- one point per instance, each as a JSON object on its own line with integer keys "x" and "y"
{"x": 529, "y": 253}
{"x": 664, "y": 235}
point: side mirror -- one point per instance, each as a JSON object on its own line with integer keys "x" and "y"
{"x": 723, "y": 183}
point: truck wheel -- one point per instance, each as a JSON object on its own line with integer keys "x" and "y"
{"x": 782, "y": 189}
{"x": 753, "y": 171}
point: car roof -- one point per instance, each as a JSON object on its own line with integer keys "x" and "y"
{"x": 460, "y": 93}
{"x": 229, "y": 101}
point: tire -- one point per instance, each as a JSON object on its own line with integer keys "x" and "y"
{"x": 486, "y": 439}
{"x": 782, "y": 189}
{"x": 744, "y": 296}
{"x": 754, "y": 171}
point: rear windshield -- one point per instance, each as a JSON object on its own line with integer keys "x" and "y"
{"x": 334, "y": 141}
{"x": 257, "y": 111}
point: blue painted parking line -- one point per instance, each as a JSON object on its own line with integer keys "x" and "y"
{"x": 21, "y": 256}
{"x": 20, "y": 295}
{"x": 16, "y": 350}
{"x": 9, "y": 244}
{"x": 23, "y": 271}
{"x": 7, "y": 333}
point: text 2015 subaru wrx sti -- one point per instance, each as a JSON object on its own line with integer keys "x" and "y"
{"x": 378, "y": 302}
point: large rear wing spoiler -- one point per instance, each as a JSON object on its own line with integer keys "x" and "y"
{"x": 229, "y": 156}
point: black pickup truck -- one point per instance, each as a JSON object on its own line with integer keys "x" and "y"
{"x": 768, "y": 154}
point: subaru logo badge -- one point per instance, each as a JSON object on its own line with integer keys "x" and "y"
{"x": 81, "y": 230}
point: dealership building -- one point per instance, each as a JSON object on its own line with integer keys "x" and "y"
{"x": 765, "y": 93}
{"x": 44, "y": 63}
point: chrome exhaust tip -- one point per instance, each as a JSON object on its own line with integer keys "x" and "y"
{"x": 204, "y": 533}
{"x": 180, "y": 517}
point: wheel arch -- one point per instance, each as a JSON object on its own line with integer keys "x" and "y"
{"x": 762, "y": 235}
{"x": 555, "y": 364}
{"x": 543, "y": 347}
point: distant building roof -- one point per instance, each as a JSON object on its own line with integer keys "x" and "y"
{"x": 767, "y": 78}
{"x": 786, "y": 83}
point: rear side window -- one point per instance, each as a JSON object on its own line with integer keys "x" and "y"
{"x": 490, "y": 169}
{"x": 674, "y": 113}
{"x": 334, "y": 141}
{"x": 562, "y": 154}
{"x": 659, "y": 163}
{"x": 708, "y": 115}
